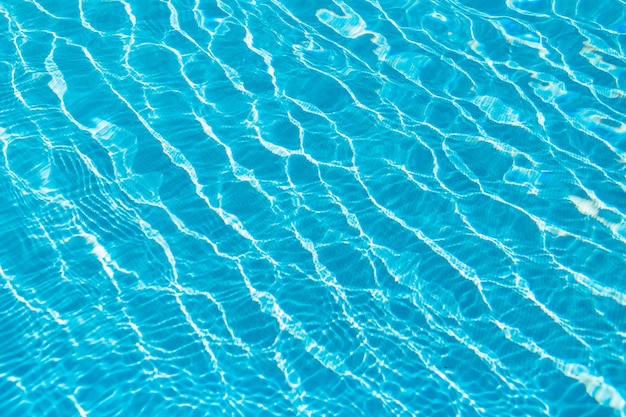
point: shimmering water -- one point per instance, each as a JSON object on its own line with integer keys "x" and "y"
{"x": 277, "y": 208}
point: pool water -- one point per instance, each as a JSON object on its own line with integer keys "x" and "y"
{"x": 285, "y": 208}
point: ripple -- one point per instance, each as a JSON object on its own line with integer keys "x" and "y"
{"x": 244, "y": 208}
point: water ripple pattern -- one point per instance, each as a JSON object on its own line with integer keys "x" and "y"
{"x": 294, "y": 208}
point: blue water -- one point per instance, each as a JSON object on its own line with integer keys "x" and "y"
{"x": 281, "y": 208}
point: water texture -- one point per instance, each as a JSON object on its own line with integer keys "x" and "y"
{"x": 281, "y": 208}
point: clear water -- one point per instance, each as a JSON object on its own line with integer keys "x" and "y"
{"x": 276, "y": 208}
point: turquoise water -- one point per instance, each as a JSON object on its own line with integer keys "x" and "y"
{"x": 281, "y": 208}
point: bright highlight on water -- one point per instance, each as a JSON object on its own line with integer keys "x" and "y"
{"x": 296, "y": 208}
